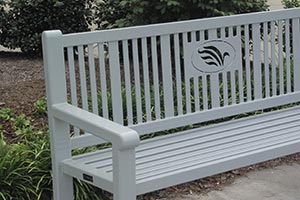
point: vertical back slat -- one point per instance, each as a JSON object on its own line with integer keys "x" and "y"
{"x": 103, "y": 80}
{"x": 167, "y": 75}
{"x": 204, "y": 92}
{"x": 223, "y": 32}
{"x": 114, "y": 64}
{"x": 240, "y": 71}
{"x": 202, "y": 35}
{"x": 73, "y": 82}
{"x": 225, "y": 88}
{"x": 136, "y": 66}
{"x": 266, "y": 60}
{"x": 273, "y": 59}
{"x": 224, "y": 75}
{"x": 72, "y": 76}
{"x": 178, "y": 74}
{"x": 146, "y": 78}
{"x": 280, "y": 52}
{"x": 296, "y": 53}
{"x": 196, "y": 93}
{"x": 193, "y": 35}
{"x": 247, "y": 60}
{"x": 232, "y": 76}
{"x": 230, "y": 31}
{"x": 196, "y": 81}
{"x": 155, "y": 77}
{"x": 233, "y": 87}
{"x": 214, "y": 78}
{"x": 186, "y": 78}
{"x": 82, "y": 72}
{"x": 214, "y": 89}
{"x": 288, "y": 55}
{"x": 93, "y": 79}
{"x": 127, "y": 82}
{"x": 256, "y": 61}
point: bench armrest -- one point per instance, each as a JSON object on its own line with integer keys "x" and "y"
{"x": 120, "y": 136}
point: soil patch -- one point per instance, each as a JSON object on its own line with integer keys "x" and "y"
{"x": 21, "y": 85}
{"x": 21, "y": 82}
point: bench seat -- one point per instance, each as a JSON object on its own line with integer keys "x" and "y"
{"x": 197, "y": 153}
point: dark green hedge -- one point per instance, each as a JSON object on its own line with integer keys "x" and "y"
{"x": 136, "y": 12}
{"x": 27, "y": 19}
{"x": 23, "y": 21}
{"x": 3, "y": 19}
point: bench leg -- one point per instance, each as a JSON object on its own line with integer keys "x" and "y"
{"x": 62, "y": 187}
{"x": 60, "y": 150}
{"x": 124, "y": 174}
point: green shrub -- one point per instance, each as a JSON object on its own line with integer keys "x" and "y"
{"x": 107, "y": 12}
{"x": 25, "y": 167}
{"x": 3, "y": 18}
{"x": 27, "y": 19}
{"x": 137, "y": 12}
{"x": 15, "y": 180}
{"x": 5, "y": 113}
{"x": 40, "y": 107}
{"x": 291, "y": 3}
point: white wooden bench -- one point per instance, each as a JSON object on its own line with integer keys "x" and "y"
{"x": 165, "y": 76}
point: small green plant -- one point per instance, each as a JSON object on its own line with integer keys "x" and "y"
{"x": 5, "y": 113}
{"x": 1, "y": 134}
{"x": 20, "y": 122}
{"x": 40, "y": 107}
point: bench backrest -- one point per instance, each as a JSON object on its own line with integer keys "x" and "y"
{"x": 163, "y": 76}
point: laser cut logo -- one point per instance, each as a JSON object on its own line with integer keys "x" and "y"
{"x": 213, "y": 56}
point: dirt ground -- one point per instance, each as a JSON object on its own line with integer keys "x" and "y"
{"x": 22, "y": 84}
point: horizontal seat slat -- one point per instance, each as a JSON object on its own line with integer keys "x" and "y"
{"x": 192, "y": 137}
{"x": 78, "y": 170}
{"x": 167, "y": 140}
{"x": 222, "y": 153}
{"x": 217, "y": 166}
{"x": 215, "y": 146}
{"x": 225, "y": 125}
{"x": 166, "y": 156}
{"x": 88, "y": 157}
{"x": 184, "y": 148}
{"x": 214, "y": 134}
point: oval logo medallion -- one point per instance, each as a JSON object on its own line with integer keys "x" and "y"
{"x": 213, "y": 56}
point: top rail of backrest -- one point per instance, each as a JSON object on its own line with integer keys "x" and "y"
{"x": 176, "y": 27}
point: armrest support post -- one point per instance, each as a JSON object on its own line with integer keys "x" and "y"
{"x": 124, "y": 174}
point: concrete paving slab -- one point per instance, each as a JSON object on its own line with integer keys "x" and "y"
{"x": 280, "y": 183}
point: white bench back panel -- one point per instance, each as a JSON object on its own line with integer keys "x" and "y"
{"x": 185, "y": 72}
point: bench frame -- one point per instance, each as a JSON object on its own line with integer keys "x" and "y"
{"x": 125, "y": 139}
